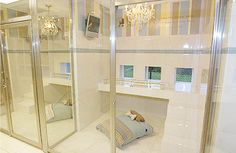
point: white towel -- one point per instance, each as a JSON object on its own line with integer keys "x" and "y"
{"x": 49, "y": 112}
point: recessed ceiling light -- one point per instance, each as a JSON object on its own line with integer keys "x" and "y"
{"x": 7, "y": 1}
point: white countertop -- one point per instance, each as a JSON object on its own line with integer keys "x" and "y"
{"x": 149, "y": 92}
{"x": 58, "y": 81}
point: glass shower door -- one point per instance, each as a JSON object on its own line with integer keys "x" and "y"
{"x": 3, "y": 108}
{"x": 17, "y": 53}
{"x": 220, "y": 127}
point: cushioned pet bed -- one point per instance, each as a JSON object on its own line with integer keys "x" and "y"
{"x": 127, "y": 130}
{"x": 57, "y": 112}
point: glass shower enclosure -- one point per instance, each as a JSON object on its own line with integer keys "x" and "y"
{"x": 62, "y": 91}
{"x": 36, "y": 73}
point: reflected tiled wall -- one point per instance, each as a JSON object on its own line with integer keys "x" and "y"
{"x": 171, "y": 18}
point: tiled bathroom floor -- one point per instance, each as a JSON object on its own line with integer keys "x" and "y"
{"x": 89, "y": 140}
{"x": 181, "y": 134}
{"x": 11, "y": 145}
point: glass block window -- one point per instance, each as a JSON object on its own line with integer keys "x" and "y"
{"x": 184, "y": 74}
{"x": 127, "y": 71}
{"x": 153, "y": 73}
{"x": 183, "y": 20}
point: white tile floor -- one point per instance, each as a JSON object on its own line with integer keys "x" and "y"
{"x": 11, "y": 145}
{"x": 56, "y": 130}
{"x": 181, "y": 134}
{"x": 89, "y": 140}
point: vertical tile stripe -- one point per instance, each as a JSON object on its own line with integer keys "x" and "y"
{"x": 88, "y": 7}
{"x": 119, "y": 16}
{"x": 175, "y": 18}
{"x": 109, "y": 22}
{"x": 128, "y": 27}
{"x": 207, "y": 15}
{"x": 183, "y": 21}
{"x": 165, "y": 14}
{"x": 101, "y": 19}
{"x": 81, "y": 16}
{"x": 158, "y": 19}
{"x": 92, "y": 4}
{"x": 96, "y": 7}
{"x": 195, "y": 16}
{"x": 152, "y": 24}
{"x": 143, "y": 29}
{"x": 106, "y": 21}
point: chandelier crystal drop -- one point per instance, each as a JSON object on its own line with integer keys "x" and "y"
{"x": 139, "y": 13}
{"x": 48, "y": 24}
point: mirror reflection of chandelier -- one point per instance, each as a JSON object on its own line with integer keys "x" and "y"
{"x": 48, "y": 24}
{"x": 140, "y": 13}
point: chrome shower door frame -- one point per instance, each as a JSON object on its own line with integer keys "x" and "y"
{"x": 7, "y": 78}
{"x": 32, "y": 21}
{"x": 4, "y": 95}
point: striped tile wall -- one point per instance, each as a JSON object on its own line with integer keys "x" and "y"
{"x": 177, "y": 18}
{"x": 184, "y": 18}
{"x": 195, "y": 16}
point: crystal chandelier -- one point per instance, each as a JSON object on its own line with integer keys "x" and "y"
{"x": 140, "y": 13}
{"x": 48, "y": 24}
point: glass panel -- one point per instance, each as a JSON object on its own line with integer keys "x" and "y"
{"x": 23, "y": 109}
{"x": 169, "y": 53}
{"x": 13, "y": 8}
{"x": 54, "y": 23}
{"x": 91, "y": 68}
{"x": 222, "y": 131}
{"x": 3, "y": 107}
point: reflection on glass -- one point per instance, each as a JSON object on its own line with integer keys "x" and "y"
{"x": 23, "y": 112}
{"x": 56, "y": 70}
{"x": 57, "y": 95}
{"x": 222, "y": 133}
{"x": 13, "y": 8}
{"x": 163, "y": 98}
{"x": 92, "y": 106}
{"x": 3, "y": 107}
